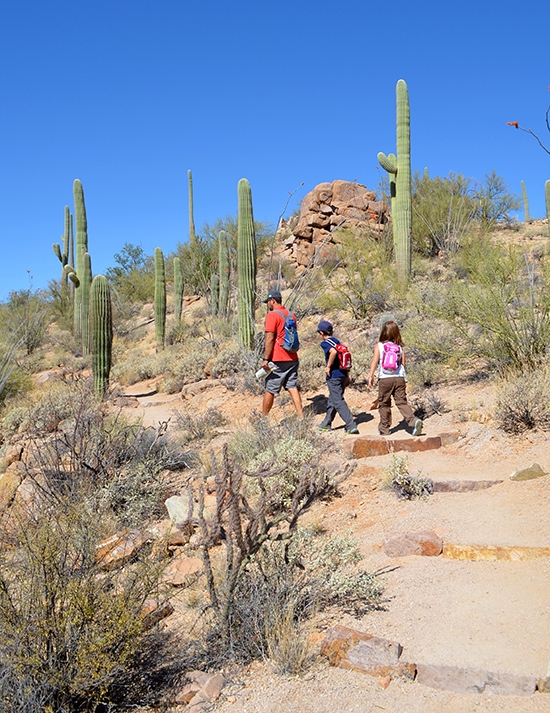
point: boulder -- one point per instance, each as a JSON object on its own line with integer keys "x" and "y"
{"x": 178, "y": 508}
{"x": 426, "y": 543}
{"x": 182, "y": 571}
{"x": 119, "y": 549}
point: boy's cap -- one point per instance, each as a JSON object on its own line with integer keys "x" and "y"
{"x": 275, "y": 295}
{"x": 324, "y": 326}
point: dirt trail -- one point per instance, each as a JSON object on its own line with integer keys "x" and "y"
{"x": 490, "y": 615}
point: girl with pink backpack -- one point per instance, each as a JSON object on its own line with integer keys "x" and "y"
{"x": 389, "y": 359}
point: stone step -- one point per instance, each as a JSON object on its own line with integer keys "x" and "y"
{"x": 366, "y": 446}
{"x": 493, "y": 552}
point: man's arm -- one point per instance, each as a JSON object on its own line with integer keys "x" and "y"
{"x": 268, "y": 349}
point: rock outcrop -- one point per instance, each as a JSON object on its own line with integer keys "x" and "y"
{"x": 325, "y": 209}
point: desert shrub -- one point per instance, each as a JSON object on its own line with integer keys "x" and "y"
{"x": 137, "y": 367}
{"x": 523, "y": 401}
{"x": 426, "y": 404}
{"x": 199, "y": 427}
{"x": 404, "y": 484}
{"x": 133, "y": 278}
{"x": 67, "y": 626}
{"x": 26, "y": 315}
{"x": 311, "y": 374}
{"x": 229, "y": 360}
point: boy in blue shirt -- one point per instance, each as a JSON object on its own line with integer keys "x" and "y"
{"x": 337, "y": 380}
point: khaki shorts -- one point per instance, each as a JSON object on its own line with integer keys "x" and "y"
{"x": 286, "y": 374}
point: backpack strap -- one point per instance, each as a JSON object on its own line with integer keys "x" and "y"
{"x": 285, "y": 317}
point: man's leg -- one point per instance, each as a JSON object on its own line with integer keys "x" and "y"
{"x": 297, "y": 401}
{"x": 267, "y": 403}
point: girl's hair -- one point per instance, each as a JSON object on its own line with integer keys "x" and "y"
{"x": 390, "y": 333}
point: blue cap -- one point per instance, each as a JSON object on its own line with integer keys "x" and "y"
{"x": 324, "y": 326}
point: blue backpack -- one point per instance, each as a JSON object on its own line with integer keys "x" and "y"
{"x": 291, "y": 343}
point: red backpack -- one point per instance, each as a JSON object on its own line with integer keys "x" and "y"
{"x": 344, "y": 355}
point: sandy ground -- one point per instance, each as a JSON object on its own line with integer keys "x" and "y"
{"x": 490, "y": 615}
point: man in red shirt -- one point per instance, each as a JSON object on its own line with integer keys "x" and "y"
{"x": 286, "y": 363}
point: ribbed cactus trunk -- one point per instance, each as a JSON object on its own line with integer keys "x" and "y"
{"x": 71, "y": 251}
{"x": 401, "y": 169}
{"x": 214, "y": 293}
{"x": 547, "y": 195}
{"x": 178, "y": 288}
{"x": 81, "y": 248}
{"x": 160, "y": 298}
{"x": 525, "y": 202}
{"x": 192, "y": 236}
{"x": 85, "y": 287}
{"x": 392, "y": 157}
{"x": 246, "y": 265}
{"x": 102, "y": 333}
{"x": 223, "y": 259}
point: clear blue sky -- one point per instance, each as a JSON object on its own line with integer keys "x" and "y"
{"x": 127, "y": 95}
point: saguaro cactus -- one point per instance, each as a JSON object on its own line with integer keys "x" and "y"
{"x": 547, "y": 195}
{"x": 178, "y": 288}
{"x": 223, "y": 259}
{"x": 82, "y": 281}
{"x": 160, "y": 298}
{"x": 246, "y": 265}
{"x": 525, "y": 202}
{"x": 192, "y": 237}
{"x": 102, "y": 333}
{"x": 64, "y": 256}
{"x": 401, "y": 168}
{"x": 81, "y": 248}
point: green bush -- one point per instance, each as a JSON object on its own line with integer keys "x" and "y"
{"x": 403, "y": 483}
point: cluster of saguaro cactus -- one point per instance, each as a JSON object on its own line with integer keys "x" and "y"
{"x": 525, "y": 202}
{"x": 223, "y": 260}
{"x": 178, "y": 288}
{"x": 192, "y": 236}
{"x": 102, "y": 333}
{"x": 160, "y": 298}
{"x": 401, "y": 169}
{"x": 246, "y": 265}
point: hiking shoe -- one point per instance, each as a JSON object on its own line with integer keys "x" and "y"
{"x": 352, "y": 432}
{"x": 417, "y": 430}
{"x": 324, "y": 428}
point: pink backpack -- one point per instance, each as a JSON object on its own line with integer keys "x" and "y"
{"x": 391, "y": 357}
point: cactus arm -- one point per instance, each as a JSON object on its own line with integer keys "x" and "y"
{"x": 160, "y": 298}
{"x": 387, "y": 163}
{"x": 57, "y": 251}
{"x": 101, "y": 327}
{"x": 71, "y": 272}
{"x": 525, "y": 202}
{"x": 246, "y": 265}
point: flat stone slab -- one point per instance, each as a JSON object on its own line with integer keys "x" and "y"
{"x": 348, "y": 648}
{"x": 427, "y": 544}
{"x": 463, "y": 486}
{"x": 367, "y": 446}
{"x": 534, "y": 471}
{"x": 472, "y": 680}
{"x": 493, "y": 552}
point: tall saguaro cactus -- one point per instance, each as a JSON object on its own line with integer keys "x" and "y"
{"x": 102, "y": 333}
{"x": 160, "y": 298}
{"x": 246, "y": 265}
{"x": 178, "y": 288}
{"x": 223, "y": 260}
{"x": 64, "y": 256}
{"x": 81, "y": 248}
{"x": 401, "y": 169}
{"x": 547, "y": 196}
{"x": 525, "y": 202}
{"x": 85, "y": 286}
{"x": 192, "y": 236}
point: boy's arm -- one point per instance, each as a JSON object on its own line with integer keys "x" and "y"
{"x": 331, "y": 357}
{"x": 374, "y": 364}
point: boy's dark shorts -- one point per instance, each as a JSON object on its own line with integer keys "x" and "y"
{"x": 285, "y": 375}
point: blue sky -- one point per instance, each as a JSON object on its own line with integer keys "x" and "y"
{"x": 126, "y": 96}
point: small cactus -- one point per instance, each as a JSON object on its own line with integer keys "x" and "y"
{"x": 102, "y": 333}
{"x": 401, "y": 168}
{"x": 223, "y": 259}
{"x": 246, "y": 266}
{"x": 178, "y": 288}
{"x": 160, "y": 298}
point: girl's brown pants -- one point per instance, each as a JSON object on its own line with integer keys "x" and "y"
{"x": 393, "y": 386}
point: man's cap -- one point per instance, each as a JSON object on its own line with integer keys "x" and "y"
{"x": 324, "y": 326}
{"x": 275, "y": 295}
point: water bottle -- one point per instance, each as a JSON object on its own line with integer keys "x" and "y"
{"x": 264, "y": 372}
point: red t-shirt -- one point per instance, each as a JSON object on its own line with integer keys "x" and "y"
{"x": 275, "y": 323}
